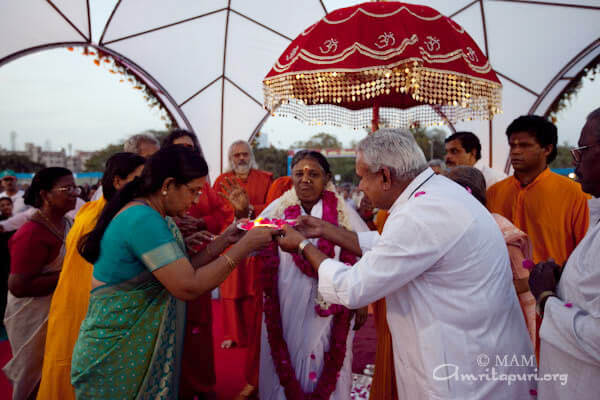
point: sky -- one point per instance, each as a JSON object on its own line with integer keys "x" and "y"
{"x": 58, "y": 98}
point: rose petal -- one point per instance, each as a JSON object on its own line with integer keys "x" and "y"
{"x": 528, "y": 264}
{"x": 419, "y": 194}
{"x": 312, "y": 356}
{"x": 568, "y": 305}
{"x": 533, "y": 392}
{"x": 312, "y": 376}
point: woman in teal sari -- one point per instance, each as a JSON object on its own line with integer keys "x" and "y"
{"x": 130, "y": 342}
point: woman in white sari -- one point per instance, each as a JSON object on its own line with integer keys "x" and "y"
{"x": 306, "y": 344}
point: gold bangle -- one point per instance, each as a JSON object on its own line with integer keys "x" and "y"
{"x": 229, "y": 261}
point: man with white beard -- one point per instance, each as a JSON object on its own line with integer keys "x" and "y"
{"x": 245, "y": 189}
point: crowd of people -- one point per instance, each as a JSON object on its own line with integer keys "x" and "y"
{"x": 483, "y": 286}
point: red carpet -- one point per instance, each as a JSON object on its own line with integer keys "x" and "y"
{"x": 229, "y": 364}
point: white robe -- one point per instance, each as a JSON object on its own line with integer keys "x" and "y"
{"x": 442, "y": 265}
{"x": 306, "y": 333}
{"x": 570, "y": 336}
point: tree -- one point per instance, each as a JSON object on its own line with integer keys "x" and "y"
{"x": 319, "y": 141}
{"x": 97, "y": 162}
{"x": 430, "y": 141}
{"x": 563, "y": 156}
{"x": 19, "y": 163}
{"x": 271, "y": 159}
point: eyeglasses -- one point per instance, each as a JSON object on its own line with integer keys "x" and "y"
{"x": 578, "y": 152}
{"x": 69, "y": 189}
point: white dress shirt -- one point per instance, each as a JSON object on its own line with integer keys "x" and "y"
{"x": 490, "y": 175}
{"x": 18, "y": 220}
{"x": 442, "y": 265}
{"x": 570, "y": 332}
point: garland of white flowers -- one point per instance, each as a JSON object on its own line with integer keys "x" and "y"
{"x": 290, "y": 198}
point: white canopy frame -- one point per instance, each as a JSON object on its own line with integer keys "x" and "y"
{"x": 205, "y": 60}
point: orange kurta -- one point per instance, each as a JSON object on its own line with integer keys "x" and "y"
{"x": 383, "y": 386}
{"x": 279, "y": 187}
{"x": 68, "y": 308}
{"x": 238, "y": 290}
{"x": 552, "y": 210}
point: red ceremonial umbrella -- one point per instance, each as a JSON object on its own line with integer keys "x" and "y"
{"x": 400, "y": 64}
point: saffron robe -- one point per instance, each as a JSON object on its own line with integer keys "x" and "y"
{"x": 238, "y": 290}
{"x": 279, "y": 187}
{"x": 68, "y": 308}
{"x": 383, "y": 386}
{"x": 552, "y": 210}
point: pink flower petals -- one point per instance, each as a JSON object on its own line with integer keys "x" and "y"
{"x": 528, "y": 264}
{"x": 533, "y": 392}
{"x": 419, "y": 194}
{"x": 568, "y": 305}
{"x": 312, "y": 376}
{"x": 312, "y": 357}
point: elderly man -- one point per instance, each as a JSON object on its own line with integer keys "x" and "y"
{"x": 570, "y": 332}
{"x": 9, "y": 184}
{"x": 442, "y": 265}
{"x": 464, "y": 148}
{"x": 245, "y": 188}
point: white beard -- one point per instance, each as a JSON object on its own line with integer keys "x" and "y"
{"x": 241, "y": 169}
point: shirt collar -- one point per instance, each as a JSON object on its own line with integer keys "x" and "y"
{"x": 412, "y": 187}
{"x": 542, "y": 175}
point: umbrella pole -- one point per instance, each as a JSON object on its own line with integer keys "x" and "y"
{"x": 375, "y": 120}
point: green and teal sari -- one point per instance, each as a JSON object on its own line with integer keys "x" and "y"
{"x": 130, "y": 342}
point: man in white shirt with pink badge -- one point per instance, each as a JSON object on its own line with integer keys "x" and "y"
{"x": 442, "y": 265}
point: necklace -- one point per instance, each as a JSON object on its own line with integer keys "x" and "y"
{"x": 50, "y": 226}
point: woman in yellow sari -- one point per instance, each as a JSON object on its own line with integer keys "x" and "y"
{"x": 72, "y": 294}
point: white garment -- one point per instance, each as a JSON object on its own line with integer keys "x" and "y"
{"x": 26, "y": 322}
{"x": 442, "y": 265}
{"x": 18, "y": 220}
{"x": 490, "y": 175}
{"x": 97, "y": 194}
{"x": 570, "y": 336}
{"x": 305, "y": 333}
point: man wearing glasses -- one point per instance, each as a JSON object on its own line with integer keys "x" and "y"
{"x": 570, "y": 332}
{"x": 9, "y": 184}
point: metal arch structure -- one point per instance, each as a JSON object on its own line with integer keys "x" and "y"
{"x": 206, "y": 62}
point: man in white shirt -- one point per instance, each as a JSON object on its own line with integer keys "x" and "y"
{"x": 570, "y": 331}
{"x": 9, "y": 184}
{"x": 442, "y": 265}
{"x": 464, "y": 148}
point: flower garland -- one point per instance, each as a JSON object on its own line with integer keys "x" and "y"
{"x": 334, "y": 358}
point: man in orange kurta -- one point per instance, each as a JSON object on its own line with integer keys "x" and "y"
{"x": 551, "y": 209}
{"x": 246, "y": 190}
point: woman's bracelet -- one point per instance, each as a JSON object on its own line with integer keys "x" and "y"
{"x": 230, "y": 261}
